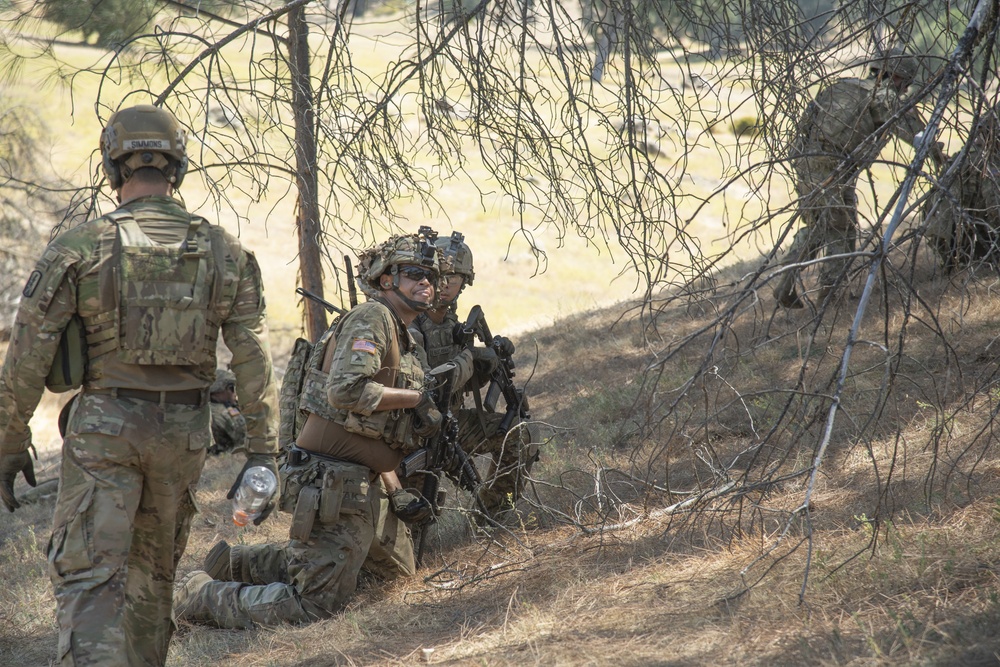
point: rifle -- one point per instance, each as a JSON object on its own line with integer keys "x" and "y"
{"x": 330, "y": 308}
{"x": 352, "y": 289}
{"x": 441, "y": 454}
{"x": 502, "y": 379}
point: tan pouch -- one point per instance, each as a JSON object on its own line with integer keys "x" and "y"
{"x": 291, "y": 485}
{"x": 332, "y": 497}
{"x": 305, "y": 514}
{"x": 370, "y": 427}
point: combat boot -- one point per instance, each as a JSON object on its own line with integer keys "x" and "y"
{"x": 785, "y": 292}
{"x": 218, "y": 562}
{"x": 200, "y": 599}
{"x": 187, "y": 595}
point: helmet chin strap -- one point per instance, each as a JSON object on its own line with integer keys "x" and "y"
{"x": 418, "y": 306}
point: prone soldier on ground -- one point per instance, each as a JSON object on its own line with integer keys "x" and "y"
{"x": 506, "y": 438}
{"x": 841, "y": 134}
{"x": 130, "y": 306}
{"x": 365, "y": 405}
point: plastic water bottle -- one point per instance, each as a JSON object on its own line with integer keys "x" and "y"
{"x": 256, "y": 489}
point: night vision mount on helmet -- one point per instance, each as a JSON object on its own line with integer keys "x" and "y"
{"x": 387, "y": 257}
{"x": 143, "y": 136}
{"x": 461, "y": 257}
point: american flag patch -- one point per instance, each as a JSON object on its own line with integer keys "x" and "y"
{"x": 362, "y": 345}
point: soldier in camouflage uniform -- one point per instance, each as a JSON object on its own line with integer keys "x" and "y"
{"x": 962, "y": 221}
{"x": 841, "y": 133}
{"x": 152, "y": 286}
{"x": 229, "y": 428}
{"x": 365, "y": 406}
{"x": 512, "y": 453}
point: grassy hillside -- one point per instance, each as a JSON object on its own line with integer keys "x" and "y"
{"x": 618, "y": 559}
{"x": 603, "y": 571}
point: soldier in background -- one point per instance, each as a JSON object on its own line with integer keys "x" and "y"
{"x": 229, "y": 428}
{"x": 962, "y": 222}
{"x": 841, "y": 133}
{"x": 150, "y": 285}
{"x": 512, "y": 454}
{"x": 366, "y": 407}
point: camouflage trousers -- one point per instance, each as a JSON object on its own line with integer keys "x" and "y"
{"x": 512, "y": 455}
{"x": 341, "y": 524}
{"x": 122, "y": 520}
{"x": 828, "y": 204}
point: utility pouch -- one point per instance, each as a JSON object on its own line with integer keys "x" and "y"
{"x": 370, "y": 427}
{"x": 332, "y": 497}
{"x": 70, "y": 363}
{"x": 305, "y": 514}
{"x": 291, "y": 485}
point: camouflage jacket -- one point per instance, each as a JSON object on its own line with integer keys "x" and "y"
{"x": 372, "y": 351}
{"x": 436, "y": 346}
{"x": 71, "y": 278}
{"x": 854, "y": 117}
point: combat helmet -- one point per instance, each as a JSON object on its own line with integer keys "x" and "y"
{"x": 143, "y": 136}
{"x": 224, "y": 379}
{"x": 461, "y": 257}
{"x": 895, "y": 62}
{"x": 388, "y": 256}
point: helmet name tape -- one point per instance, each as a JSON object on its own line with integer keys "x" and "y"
{"x": 145, "y": 144}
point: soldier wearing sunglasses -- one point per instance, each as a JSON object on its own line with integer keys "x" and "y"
{"x": 365, "y": 408}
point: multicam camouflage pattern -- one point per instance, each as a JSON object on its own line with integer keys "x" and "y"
{"x": 341, "y": 521}
{"x": 841, "y": 134}
{"x": 313, "y": 578}
{"x": 130, "y": 467}
{"x": 513, "y": 454}
{"x": 123, "y": 515}
{"x": 74, "y": 275}
{"x": 358, "y": 374}
{"x": 229, "y": 429}
{"x": 414, "y": 249}
{"x": 962, "y": 222}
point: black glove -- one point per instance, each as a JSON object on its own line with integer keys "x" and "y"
{"x": 485, "y": 360}
{"x": 428, "y": 421}
{"x": 10, "y": 465}
{"x": 267, "y": 461}
{"x": 503, "y": 346}
{"x": 410, "y": 507}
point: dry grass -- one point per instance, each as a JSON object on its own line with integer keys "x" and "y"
{"x": 663, "y": 590}
{"x": 666, "y": 590}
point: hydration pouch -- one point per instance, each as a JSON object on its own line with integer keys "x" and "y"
{"x": 305, "y": 514}
{"x": 70, "y": 363}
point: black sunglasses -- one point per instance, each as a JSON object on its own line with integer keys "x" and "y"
{"x": 416, "y": 273}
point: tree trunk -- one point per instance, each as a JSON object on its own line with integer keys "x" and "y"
{"x": 307, "y": 221}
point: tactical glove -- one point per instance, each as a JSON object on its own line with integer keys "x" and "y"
{"x": 428, "y": 421}
{"x": 503, "y": 346}
{"x": 268, "y": 461}
{"x": 10, "y": 465}
{"x": 485, "y": 360}
{"x": 410, "y": 507}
